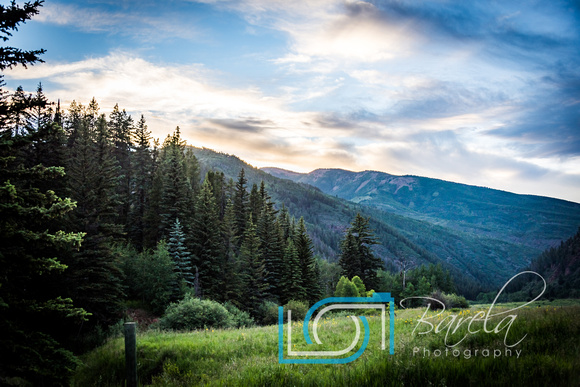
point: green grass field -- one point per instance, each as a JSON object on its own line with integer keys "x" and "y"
{"x": 549, "y": 353}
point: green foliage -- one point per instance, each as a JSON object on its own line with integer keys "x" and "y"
{"x": 193, "y": 313}
{"x": 33, "y": 239}
{"x": 239, "y": 318}
{"x": 267, "y": 313}
{"x": 175, "y": 192}
{"x": 357, "y": 258}
{"x": 298, "y": 308}
{"x": 149, "y": 276}
{"x": 346, "y": 288}
{"x": 253, "y": 277}
{"x": 208, "y": 249}
{"x": 181, "y": 258}
{"x": 449, "y": 300}
{"x": 245, "y": 357}
{"x": 360, "y": 286}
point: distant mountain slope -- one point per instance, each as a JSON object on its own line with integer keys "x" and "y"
{"x": 490, "y": 261}
{"x": 535, "y": 221}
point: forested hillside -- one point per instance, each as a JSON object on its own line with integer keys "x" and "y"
{"x": 534, "y": 221}
{"x": 473, "y": 259}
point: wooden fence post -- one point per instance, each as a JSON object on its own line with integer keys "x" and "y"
{"x": 131, "y": 354}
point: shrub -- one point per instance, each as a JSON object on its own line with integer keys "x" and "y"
{"x": 456, "y": 301}
{"x": 298, "y": 308}
{"x": 239, "y": 318}
{"x": 449, "y": 300}
{"x": 268, "y": 313}
{"x": 346, "y": 288}
{"x": 193, "y": 313}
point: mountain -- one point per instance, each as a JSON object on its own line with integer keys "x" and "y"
{"x": 534, "y": 221}
{"x": 403, "y": 233}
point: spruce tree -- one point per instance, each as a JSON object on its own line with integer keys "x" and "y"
{"x": 272, "y": 250}
{"x": 254, "y": 274}
{"x": 176, "y": 194}
{"x": 292, "y": 288}
{"x": 120, "y": 128}
{"x": 181, "y": 259}
{"x": 349, "y": 259}
{"x": 141, "y": 183}
{"x": 32, "y": 243}
{"x": 255, "y": 203}
{"x": 95, "y": 278}
{"x": 309, "y": 271}
{"x": 208, "y": 252}
{"x": 241, "y": 201}
{"x": 357, "y": 257}
{"x": 232, "y": 267}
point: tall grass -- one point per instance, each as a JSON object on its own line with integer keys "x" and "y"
{"x": 549, "y": 355}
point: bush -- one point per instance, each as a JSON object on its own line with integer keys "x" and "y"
{"x": 239, "y": 319}
{"x": 193, "y": 313}
{"x": 298, "y": 308}
{"x": 449, "y": 300}
{"x": 268, "y": 313}
{"x": 456, "y": 301}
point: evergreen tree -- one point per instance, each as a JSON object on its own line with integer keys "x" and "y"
{"x": 31, "y": 241}
{"x": 292, "y": 288}
{"x": 176, "y": 199}
{"x": 95, "y": 278}
{"x": 241, "y": 201}
{"x": 357, "y": 257}
{"x": 152, "y": 217}
{"x": 207, "y": 243}
{"x": 272, "y": 250}
{"x": 349, "y": 259}
{"x": 232, "y": 287}
{"x": 309, "y": 271}
{"x": 141, "y": 183}
{"x": 181, "y": 260}
{"x": 255, "y": 203}
{"x": 120, "y": 128}
{"x": 254, "y": 275}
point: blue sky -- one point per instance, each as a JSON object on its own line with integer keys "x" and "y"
{"x": 477, "y": 92}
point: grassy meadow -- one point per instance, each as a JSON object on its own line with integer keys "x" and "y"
{"x": 549, "y": 353}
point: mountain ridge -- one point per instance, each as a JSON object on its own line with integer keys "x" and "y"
{"x": 487, "y": 260}
{"x": 537, "y": 221}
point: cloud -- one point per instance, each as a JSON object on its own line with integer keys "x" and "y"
{"x": 145, "y": 20}
{"x": 243, "y": 125}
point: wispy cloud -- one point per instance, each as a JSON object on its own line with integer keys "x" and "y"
{"x": 126, "y": 18}
{"x": 478, "y": 92}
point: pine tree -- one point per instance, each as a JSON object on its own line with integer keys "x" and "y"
{"x": 141, "y": 183}
{"x": 357, "y": 258}
{"x": 176, "y": 199}
{"x": 232, "y": 267}
{"x": 120, "y": 128}
{"x": 181, "y": 259}
{"x": 254, "y": 274}
{"x": 255, "y": 203}
{"x": 292, "y": 288}
{"x": 349, "y": 259}
{"x": 309, "y": 273}
{"x": 241, "y": 210}
{"x": 95, "y": 278}
{"x": 31, "y": 244}
{"x": 152, "y": 217}
{"x": 272, "y": 250}
{"x": 207, "y": 243}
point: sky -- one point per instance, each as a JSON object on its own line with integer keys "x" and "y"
{"x": 477, "y": 92}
